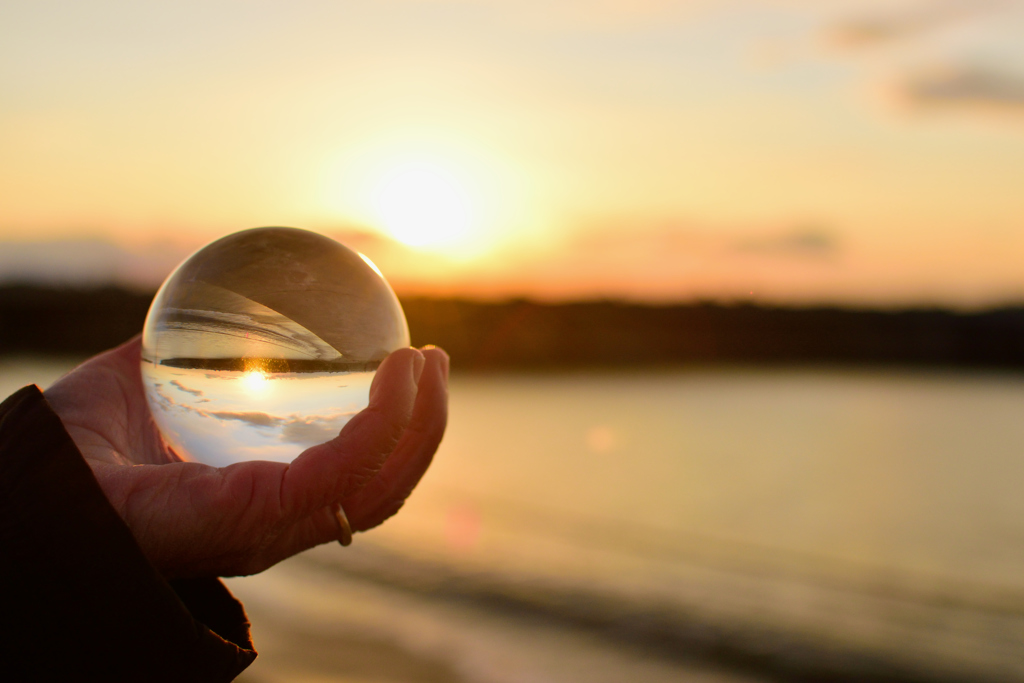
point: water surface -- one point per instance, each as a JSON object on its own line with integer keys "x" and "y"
{"x": 730, "y": 524}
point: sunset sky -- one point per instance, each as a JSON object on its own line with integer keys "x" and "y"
{"x": 786, "y": 151}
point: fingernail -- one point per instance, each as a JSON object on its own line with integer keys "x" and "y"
{"x": 418, "y": 362}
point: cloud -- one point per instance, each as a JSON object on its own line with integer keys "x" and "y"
{"x": 681, "y": 259}
{"x": 960, "y": 88}
{"x": 621, "y": 15}
{"x": 313, "y": 430}
{"x": 935, "y": 72}
{"x": 254, "y": 418}
{"x": 306, "y": 430}
{"x": 810, "y": 242}
{"x": 88, "y": 262}
{"x": 883, "y": 29}
{"x": 182, "y": 387}
{"x": 98, "y": 261}
{"x": 61, "y": 261}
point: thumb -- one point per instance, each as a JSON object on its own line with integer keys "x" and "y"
{"x": 325, "y": 473}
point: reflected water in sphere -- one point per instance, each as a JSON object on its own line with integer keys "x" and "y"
{"x": 264, "y": 343}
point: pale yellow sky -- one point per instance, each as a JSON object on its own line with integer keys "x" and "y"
{"x": 852, "y": 152}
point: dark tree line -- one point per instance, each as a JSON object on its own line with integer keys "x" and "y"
{"x": 526, "y": 334}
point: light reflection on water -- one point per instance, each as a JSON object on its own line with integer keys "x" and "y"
{"x": 222, "y": 417}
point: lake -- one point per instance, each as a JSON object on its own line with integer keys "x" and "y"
{"x": 677, "y": 524}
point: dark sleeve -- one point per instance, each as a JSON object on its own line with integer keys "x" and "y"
{"x": 78, "y": 600}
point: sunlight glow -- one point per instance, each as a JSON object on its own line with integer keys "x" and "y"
{"x": 433, "y": 193}
{"x": 422, "y": 204}
{"x": 255, "y": 382}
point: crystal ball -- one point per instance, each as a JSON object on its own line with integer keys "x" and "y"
{"x": 264, "y": 343}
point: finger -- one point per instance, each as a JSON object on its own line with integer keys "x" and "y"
{"x": 325, "y": 473}
{"x": 385, "y": 493}
{"x": 402, "y": 470}
{"x": 104, "y": 398}
{"x": 316, "y": 529}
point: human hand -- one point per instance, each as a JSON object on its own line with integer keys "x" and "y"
{"x": 195, "y": 520}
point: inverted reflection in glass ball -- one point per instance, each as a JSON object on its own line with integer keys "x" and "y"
{"x": 264, "y": 343}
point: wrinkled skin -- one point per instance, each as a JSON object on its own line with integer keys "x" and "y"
{"x": 195, "y": 520}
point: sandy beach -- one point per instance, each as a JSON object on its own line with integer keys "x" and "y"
{"x": 313, "y": 624}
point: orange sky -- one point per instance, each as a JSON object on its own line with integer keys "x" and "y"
{"x": 779, "y": 150}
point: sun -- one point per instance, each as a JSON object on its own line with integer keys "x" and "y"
{"x": 423, "y": 204}
{"x": 439, "y": 195}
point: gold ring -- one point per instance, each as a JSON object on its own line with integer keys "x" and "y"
{"x": 344, "y": 528}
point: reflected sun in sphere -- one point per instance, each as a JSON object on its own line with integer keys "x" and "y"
{"x": 255, "y": 382}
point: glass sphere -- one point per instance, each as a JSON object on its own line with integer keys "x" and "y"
{"x": 264, "y": 343}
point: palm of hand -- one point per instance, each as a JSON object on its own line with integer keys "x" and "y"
{"x": 194, "y": 520}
